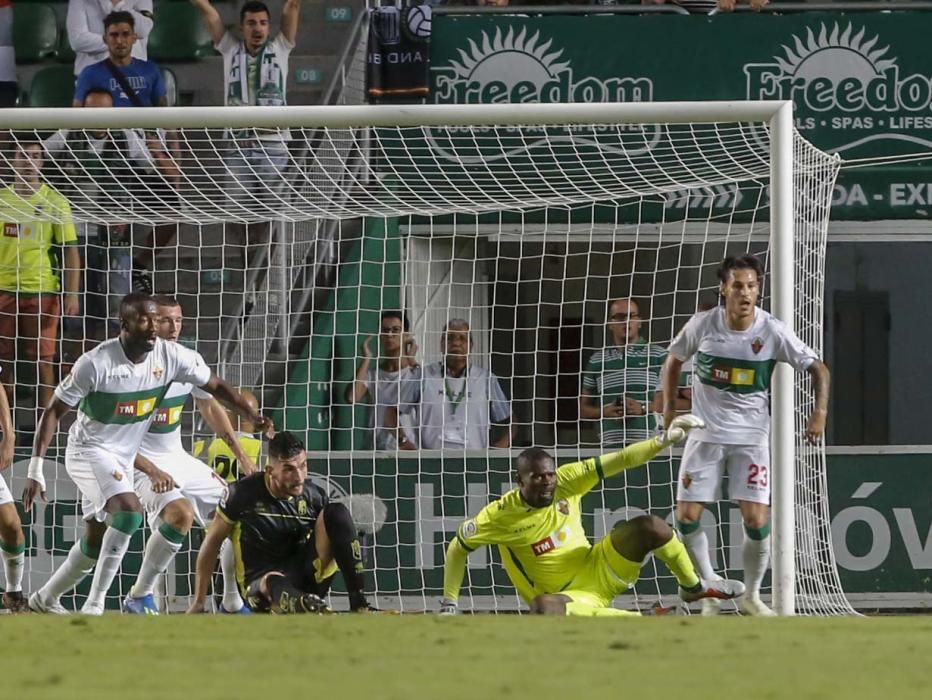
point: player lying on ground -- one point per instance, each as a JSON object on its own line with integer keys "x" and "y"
{"x": 12, "y": 540}
{"x": 289, "y": 539}
{"x": 196, "y": 490}
{"x": 115, "y": 387}
{"x": 538, "y": 529}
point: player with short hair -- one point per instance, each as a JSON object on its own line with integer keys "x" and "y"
{"x": 288, "y": 537}
{"x": 12, "y": 540}
{"x": 736, "y": 347}
{"x": 544, "y": 548}
{"x": 116, "y": 388}
{"x": 197, "y": 490}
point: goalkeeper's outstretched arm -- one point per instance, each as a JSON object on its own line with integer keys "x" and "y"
{"x": 454, "y": 569}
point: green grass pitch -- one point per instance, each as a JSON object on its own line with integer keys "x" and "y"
{"x": 383, "y": 657}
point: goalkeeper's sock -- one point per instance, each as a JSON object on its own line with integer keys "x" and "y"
{"x": 232, "y": 600}
{"x": 13, "y": 565}
{"x": 112, "y": 550}
{"x": 78, "y": 564}
{"x": 756, "y": 555}
{"x": 162, "y": 547}
{"x": 697, "y": 542}
{"x": 674, "y": 555}
{"x": 347, "y": 552}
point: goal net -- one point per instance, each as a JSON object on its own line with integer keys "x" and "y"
{"x": 287, "y": 239}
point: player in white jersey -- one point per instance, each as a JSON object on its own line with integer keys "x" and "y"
{"x": 115, "y": 388}
{"x": 12, "y": 540}
{"x": 197, "y": 489}
{"x": 734, "y": 349}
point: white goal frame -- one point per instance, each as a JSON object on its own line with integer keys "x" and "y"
{"x": 777, "y": 114}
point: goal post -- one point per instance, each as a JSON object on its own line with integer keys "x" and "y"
{"x": 490, "y": 173}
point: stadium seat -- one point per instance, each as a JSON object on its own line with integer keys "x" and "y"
{"x": 51, "y": 87}
{"x": 35, "y": 32}
{"x": 179, "y": 34}
{"x": 171, "y": 85}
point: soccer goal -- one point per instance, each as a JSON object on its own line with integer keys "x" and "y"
{"x": 525, "y": 220}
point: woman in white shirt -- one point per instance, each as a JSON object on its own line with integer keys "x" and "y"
{"x": 86, "y": 28}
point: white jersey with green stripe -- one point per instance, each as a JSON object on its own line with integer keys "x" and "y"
{"x": 164, "y": 436}
{"x": 117, "y": 398}
{"x": 732, "y": 371}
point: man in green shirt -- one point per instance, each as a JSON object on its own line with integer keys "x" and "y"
{"x": 34, "y": 218}
{"x": 621, "y": 383}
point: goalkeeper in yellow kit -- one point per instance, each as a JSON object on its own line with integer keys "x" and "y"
{"x": 538, "y": 529}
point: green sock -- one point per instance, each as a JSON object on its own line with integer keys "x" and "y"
{"x": 675, "y": 556}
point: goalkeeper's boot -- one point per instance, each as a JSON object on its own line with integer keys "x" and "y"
{"x": 658, "y": 609}
{"x": 752, "y": 605}
{"x": 15, "y": 602}
{"x": 52, "y": 607}
{"x": 142, "y": 605}
{"x": 721, "y": 589}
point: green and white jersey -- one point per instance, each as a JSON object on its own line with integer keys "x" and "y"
{"x": 632, "y": 371}
{"x": 117, "y": 398}
{"x": 164, "y": 436}
{"x": 732, "y": 371}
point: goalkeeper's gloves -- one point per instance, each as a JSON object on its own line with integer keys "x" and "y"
{"x": 448, "y": 607}
{"x": 679, "y": 427}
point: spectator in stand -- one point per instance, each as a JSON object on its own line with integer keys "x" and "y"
{"x": 8, "y": 87}
{"x": 85, "y": 26}
{"x": 457, "y": 403}
{"x": 395, "y": 363}
{"x": 34, "y": 220}
{"x": 104, "y": 170}
{"x": 255, "y": 72}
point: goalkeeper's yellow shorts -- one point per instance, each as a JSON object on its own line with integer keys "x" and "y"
{"x": 604, "y": 575}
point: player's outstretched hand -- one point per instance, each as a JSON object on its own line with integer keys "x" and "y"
{"x": 680, "y": 426}
{"x": 265, "y": 426}
{"x": 447, "y": 607}
{"x": 161, "y": 481}
{"x": 31, "y": 492}
{"x": 815, "y": 427}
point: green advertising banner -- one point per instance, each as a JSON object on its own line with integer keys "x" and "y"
{"x": 861, "y": 82}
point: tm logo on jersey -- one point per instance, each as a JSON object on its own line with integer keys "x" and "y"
{"x": 554, "y": 540}
{"x": 167, "y": 416}
{"x": 135, "y": 409}
{"x": 736, "y": 376}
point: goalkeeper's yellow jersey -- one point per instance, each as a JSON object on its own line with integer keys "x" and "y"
{"x": 542, "y": 548}
{"x": 221, "y": 459}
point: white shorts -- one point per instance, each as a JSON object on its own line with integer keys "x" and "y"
{"x": 100, "y": 476}
{"x": 196, "y": 482}
{"x": 705, "y": 463}
{"x": 6, "y": 495}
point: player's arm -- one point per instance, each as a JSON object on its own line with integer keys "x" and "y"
{"x": 290, "y": 18}
{"x": 8, "y": 446}
{"x": 226, "y": 393}
{"x": 670, "y": 379}
{"x": 161, "y": 482}
{"x": 212, "y": 19}
{"x": 821, "y": 380}
{"x": 219, "y": 422}
{"x": 46, "y": 430}
{"x": 470, "y": 535}
{"x": 219, "y": 529}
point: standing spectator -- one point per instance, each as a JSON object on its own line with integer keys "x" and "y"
{"x": 34, "y": 219}
{"x": 456, "y": 402}
{"x": 85, "y": 26}
{"x": 8, "y": 87}
{"x": 396, "y": 364}
{"x": 133, "y": 82}
{"x": 255, "y": 72}
{"x": 103, "y": 171}
{"x": 621, "y": 382}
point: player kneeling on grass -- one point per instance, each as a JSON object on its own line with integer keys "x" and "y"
{"x": 544, "y": 548}
{"x": 194, "y": 490}
{"x": 289, "y": 539}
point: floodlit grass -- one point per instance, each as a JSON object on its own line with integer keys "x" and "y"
{"x": 479, "y": 658}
